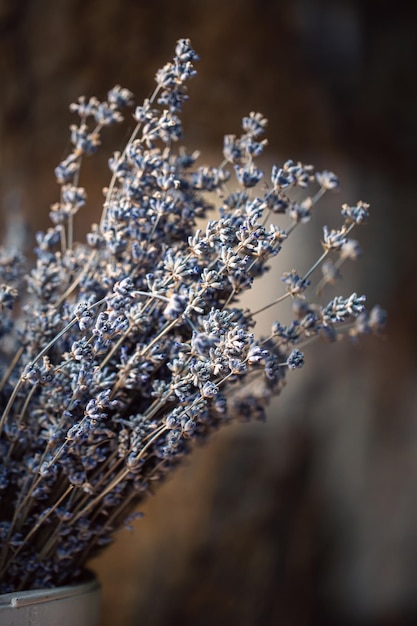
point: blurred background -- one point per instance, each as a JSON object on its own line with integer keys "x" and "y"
{"x": 310, "y": 518}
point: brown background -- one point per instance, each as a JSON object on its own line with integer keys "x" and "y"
{"x": 312, "y": 517}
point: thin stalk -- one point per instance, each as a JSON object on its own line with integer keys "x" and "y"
{"x": 36, "y": 359}
{"x": 35, "y": 528}
{"x": 11, "y": 367}
{"x": 116, "y": 513}
{"x": 113, "y": 178}
{"x": 116, "y": 481}
{"x": 77, "y": 281}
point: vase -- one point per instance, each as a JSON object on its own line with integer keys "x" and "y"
{"x": 70, "y": 605}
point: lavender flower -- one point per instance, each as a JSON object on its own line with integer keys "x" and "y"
{"x": 118, "y": 354}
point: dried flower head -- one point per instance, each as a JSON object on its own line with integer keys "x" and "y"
{"x": 119, "y": 353}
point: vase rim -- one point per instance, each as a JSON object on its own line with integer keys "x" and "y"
{"x": 16, "y": 599}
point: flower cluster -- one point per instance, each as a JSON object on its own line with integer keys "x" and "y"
{"x": 118, "y": 354}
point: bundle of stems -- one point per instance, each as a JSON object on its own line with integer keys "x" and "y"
{"x": 119, "y": 353}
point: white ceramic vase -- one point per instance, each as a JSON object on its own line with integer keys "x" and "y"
{"x": 71, "y": 605}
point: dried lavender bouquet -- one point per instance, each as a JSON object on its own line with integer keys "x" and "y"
{"x": 118, "y": 354}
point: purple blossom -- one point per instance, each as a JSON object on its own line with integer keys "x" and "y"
{"x": 120, "y": 353}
